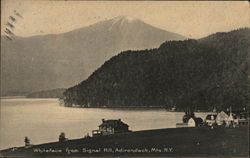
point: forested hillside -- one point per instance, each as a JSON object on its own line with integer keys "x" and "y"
{"x": 198, "y": 74}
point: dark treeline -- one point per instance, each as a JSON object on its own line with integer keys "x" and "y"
{"x": 197, "y": 74}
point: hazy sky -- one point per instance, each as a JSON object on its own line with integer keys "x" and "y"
{"x": 191, "y": 19}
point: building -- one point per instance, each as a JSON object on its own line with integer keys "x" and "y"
{"x": 189, "y": 120}
{"x": 111, "y": 127}
{"x": 232, "y": 118}
{"x": 221, "y": 118}
{"x": 238, "y": 118}
{"x": 195, "y": 122}
{"x": 187, "y": 116}
{"x": 243, "y": 118}
{"x": 211, "y": 119}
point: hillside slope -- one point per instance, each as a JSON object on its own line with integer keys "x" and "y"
{"x": 172, "y": 142}
{"x": 198, "y": 74}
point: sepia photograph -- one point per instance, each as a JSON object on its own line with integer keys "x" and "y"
{"x": 124, "y": 79}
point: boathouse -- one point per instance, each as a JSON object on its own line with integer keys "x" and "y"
{"x": 111, "y": 127}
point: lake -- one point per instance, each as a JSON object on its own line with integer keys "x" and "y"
{"x": 42, "y": 120}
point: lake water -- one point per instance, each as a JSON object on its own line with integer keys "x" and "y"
{"x": 42, "y": 120}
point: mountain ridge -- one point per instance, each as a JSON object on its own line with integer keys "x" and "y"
{"x": 50, "y": 61}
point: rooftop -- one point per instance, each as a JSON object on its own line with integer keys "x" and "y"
{"x": 113, "y": 123}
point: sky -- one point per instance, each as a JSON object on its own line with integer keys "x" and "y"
{"x": 189, "y": 18}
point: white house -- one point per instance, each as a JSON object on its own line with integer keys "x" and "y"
{"x": 221, "y": 118}
{"x": 195, "y": 122}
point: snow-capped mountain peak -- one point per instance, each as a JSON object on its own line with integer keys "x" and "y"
{"x": 121, "y": 20}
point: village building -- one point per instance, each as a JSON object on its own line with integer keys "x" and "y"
{"x": 238, "y": 118}
{"x": 210, "y": 119}
{"x": 195, "y": 122}
{"x": 111, "y": 127}
{"x": 227, "y": 119}
{"x": 189, "y": 120}
{"x": 222, "y": 118}
{"x": 232, "y": 118}
{"x": 243, "y": 118}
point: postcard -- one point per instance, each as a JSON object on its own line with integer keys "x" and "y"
{"x": 124, "y": 78}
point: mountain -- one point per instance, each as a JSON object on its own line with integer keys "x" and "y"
{"x": 53, "y": 93}
{"x": 197, "y": 74}
{"x": 51, "y": 61}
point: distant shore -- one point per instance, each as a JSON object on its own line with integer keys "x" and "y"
{"x": 22, "y": 97}
{"x": 12, "y": 97}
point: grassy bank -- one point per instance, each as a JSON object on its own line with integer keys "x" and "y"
{"x": 201, "y": 141}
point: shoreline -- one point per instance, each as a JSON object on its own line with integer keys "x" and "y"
{"x": 137, "y": 108}
{"x": 12, "y": 97}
